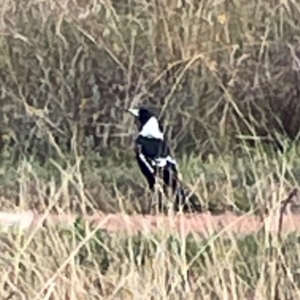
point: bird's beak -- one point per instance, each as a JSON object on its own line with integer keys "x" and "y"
{"x": 134, "y": 111}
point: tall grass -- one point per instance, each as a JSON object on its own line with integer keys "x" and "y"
{"x": 81, "y": 262}
{"x": 215, "y": 72}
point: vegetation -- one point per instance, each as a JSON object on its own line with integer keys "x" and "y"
{"x": 224, "y": 78}
{"x": 82, "y": 262}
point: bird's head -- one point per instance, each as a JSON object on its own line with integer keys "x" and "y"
{"x": 142, "y": 114}
{"x": 147, "y": 122}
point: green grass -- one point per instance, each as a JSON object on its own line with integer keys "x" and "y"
{"x": 241, "y": 182}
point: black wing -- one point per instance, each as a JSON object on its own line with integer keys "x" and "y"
{"x": 147, "y": 150}
{"x": 146, "y": 169}
{"x": 152, "y": 148}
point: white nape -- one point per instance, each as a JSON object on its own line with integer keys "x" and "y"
{"x": 151, "y": 129}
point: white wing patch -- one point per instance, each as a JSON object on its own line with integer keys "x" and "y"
{"x": 161, "y": 162}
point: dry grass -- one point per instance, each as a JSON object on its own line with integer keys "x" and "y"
{"x": 212, "y": 70}
{"x": 81, "y": 263}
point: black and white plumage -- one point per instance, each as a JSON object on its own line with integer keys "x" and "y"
{"x": 153, "y": 153}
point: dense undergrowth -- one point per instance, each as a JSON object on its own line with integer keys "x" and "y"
{"x": 224, "y": 80}
{"x": 223, "y": 71}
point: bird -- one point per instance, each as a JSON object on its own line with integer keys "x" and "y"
{"x": 154, "y": 156}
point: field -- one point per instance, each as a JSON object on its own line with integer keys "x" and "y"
{"x": 224, "y": 78}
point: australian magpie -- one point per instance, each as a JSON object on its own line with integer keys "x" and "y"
{"x": 153, "y": 154}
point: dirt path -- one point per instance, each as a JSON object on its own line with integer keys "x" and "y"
{"x": 202, "y": 223}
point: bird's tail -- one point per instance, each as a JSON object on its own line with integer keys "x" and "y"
{"x": 184, "y": 200}
{"x": 182, "y": 197}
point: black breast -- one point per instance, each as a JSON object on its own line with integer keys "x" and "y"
{"x": 152, "y": 148}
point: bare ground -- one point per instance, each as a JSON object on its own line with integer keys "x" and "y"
{"x": 203, "y": 223}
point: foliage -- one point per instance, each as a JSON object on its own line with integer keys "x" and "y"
{"x": 223, "y": 71}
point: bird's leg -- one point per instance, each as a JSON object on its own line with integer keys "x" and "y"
{"x": 166, "y": 193}
{"x": 157, "y": 196}
{"x": 151, "y": 193}
{"x": 148, "y": 201}
{"x": 163, "y": 193}
{"x": 154, "y": 198}
{"x": 170, "y": 187}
